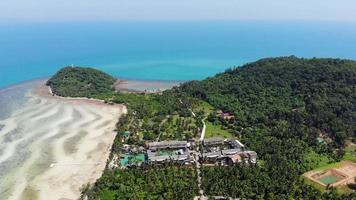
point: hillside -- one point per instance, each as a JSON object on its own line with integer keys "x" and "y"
{"x": 296, "y": 113}
{"x": 321, "y": 91}
{"x": 80, "y": 82}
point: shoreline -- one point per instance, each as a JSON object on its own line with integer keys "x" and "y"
{"x": 75, "y": 133}
{"x": 126, "y": 85}
{"x": 145, "y": 86}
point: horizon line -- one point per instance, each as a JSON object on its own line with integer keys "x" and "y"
{"x": 178, "y": 21}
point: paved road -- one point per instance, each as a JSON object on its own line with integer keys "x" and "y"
{"x": 202, "y": 135}
{"x": 197, "y": 154}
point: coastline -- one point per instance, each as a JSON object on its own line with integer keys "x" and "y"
{"x": 72, "y": 139}
{"x": 45, "y": 91}
{"x": 144, "y": 86}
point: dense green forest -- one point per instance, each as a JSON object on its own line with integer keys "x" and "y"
{"x": 302, "y": 97}
{"x": 80, "y": 82}
{"x": 156, "y": 182}
{"x": 282, "y": 106}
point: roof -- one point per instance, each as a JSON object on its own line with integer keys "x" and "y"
{"x": 230, "y": 151}
{"x": 212, "y": 154}
{"x": 251, "y": 154}
{"x": 214, "y": 140}
{"x": 236, "y": 158}
{"x": 167, "y": 144}
{"x": 236, "y": 144}
{"x": 167, "y": 157}
{"x": 158, "y": 158}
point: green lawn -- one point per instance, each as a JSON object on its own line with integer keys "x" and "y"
{"x": 216, "y": 131}
{"x": 350, "y": 152}
{"x": 204, "y": 106}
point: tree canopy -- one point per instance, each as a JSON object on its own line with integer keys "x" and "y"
{"x": 80, "y": 82}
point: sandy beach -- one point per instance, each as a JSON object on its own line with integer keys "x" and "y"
{"x": 52, "y": 146}
{"x": 145, "y": 86}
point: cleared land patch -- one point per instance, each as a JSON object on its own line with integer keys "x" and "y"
{"x": 334, "y": 176}
{"x": 216, "y": 131}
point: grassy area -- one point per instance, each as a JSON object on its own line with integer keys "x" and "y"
{"x": 216, "y": 131}
{"x": 329, "y": 166}
{"x": 204, "y": 107}
{"x": 314, "y": 160}
{"x": 350, "y": 152}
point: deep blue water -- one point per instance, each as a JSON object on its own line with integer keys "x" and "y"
{"x": 163, "y": 50}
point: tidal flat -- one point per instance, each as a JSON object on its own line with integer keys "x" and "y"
{"x": 51, "y": 147}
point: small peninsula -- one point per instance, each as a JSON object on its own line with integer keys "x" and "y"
{"x": 81, "y": 82}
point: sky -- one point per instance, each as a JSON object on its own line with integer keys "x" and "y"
{"x": 182, "y": 10}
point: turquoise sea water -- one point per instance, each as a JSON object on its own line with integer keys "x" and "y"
{"x": 163, "y": 50}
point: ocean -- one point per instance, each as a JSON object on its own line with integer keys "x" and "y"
{"x": 163, "y": 50}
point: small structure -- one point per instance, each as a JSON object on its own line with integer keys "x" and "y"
{"x": 227, "y": 116}
{"x": 125, "y": 135}
{"x": 224, "y": 115}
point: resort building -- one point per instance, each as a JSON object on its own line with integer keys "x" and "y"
{"x": 213, "y": 141}
{"x": 169, "y": 151}
{"x": 168, "y": 145}
{"x": 221, "y": 151}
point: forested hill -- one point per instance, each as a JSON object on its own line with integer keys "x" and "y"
{"x": 295, "y": 113}
{"x": 80, "y": 82}
{"x": 320, "y": 92}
